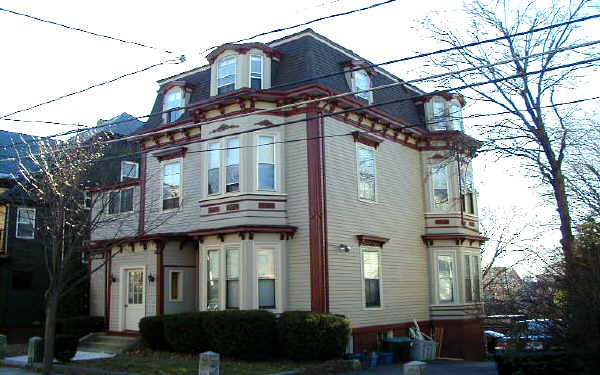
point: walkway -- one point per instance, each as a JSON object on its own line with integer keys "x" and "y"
{"x": 439, "y": 367}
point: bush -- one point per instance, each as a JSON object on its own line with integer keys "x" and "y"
{"x": 152, "y": 331}
{"x": 186, "y": 333}
{"x": 65, "y": 347}
{"x": 305, "y": 335}
{"x": 80, "y": 326}
{"x": 533, "y": 363}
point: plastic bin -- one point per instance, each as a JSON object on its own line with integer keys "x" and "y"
{"x": 400, "y": 346}
{"x": 423, "y": 350}
{"x": 372, "y": 360}
{"x": 385, "y": 358}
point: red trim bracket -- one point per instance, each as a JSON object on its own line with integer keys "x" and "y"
{"x": 369, "y": 240}
{"x": 174, "y": 153}
{"x": 366, "y": 139}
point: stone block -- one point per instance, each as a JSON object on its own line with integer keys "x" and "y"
{"x": 415, "y": 368}
{"x": 35, "y": 350}
{"x": 209, "y": 363}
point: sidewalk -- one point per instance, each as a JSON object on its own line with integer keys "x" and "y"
{"x": 16, "y": 371}
{"x": 438, "y": 367}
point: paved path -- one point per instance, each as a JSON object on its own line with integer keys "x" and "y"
{"x": 16, "y": 371}
{"x": 439, "y": 367}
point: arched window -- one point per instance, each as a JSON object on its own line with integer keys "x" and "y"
{"x": 173, "y": 100}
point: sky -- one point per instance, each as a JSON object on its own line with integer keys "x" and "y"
{"x": 41, "y": 61}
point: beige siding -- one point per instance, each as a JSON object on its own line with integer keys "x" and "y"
{"x": 127, "y": 259}
{"x": 298, "y": 260}
{"x": 183, "y": 260}
{"x": 397, "y": 215}
{"x": 97, "y": 287}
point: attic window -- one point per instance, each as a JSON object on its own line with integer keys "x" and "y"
{"x": 173, "y": 100}
{"x": 362, "y": 81}
{"x": 226, "y": 75}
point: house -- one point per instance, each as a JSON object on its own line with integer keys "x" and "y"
{"x": 248, "y": 200}
{"x": 502, "y": 284}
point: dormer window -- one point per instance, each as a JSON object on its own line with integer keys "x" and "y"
{"x": 446, "y": 115}
{"x": 362, "y": 81}
{"x": 226, "y": 75}
{"x": 173, "y": 100}
{"x": 256, "y": 72}
{"x": 456, "y": 119}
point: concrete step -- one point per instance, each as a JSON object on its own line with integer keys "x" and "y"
{"x": 101, "y": 347}
{"x": 101, "y": 342}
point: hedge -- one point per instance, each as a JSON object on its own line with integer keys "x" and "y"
{"x": 186, "y": 333}
{"x": 153, "y": 332}
{"x": 534, "y": 363}
{"x": 80, "y": 326}
{"x": 65, "y": 347}
{"x": 305, "y": 335}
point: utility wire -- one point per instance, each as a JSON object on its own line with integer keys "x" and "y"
{"x": 337, "y": 113}
{"x": 44, "y": 122}
{"x": 83, "y": 30}
{"x": 445, "y": 50}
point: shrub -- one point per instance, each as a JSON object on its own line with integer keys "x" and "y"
{"x": 305, "y": 335}
{"x": 244, "y": 334}
{"x": 153, "y": 332}
{"x": 65, "y": 347}
{"x": 80, "y": 326}
{"x": 533, "y": 363}
{"x": 186, "y": 333}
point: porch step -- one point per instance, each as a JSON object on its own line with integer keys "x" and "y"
{"x": 100, "y": 342}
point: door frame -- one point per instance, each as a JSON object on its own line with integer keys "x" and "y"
{"x": 123, "y": 290}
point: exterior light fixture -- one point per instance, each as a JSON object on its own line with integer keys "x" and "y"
{"x": 151, "y": 278}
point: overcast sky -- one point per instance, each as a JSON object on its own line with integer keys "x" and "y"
{"x": 41, "y": 61}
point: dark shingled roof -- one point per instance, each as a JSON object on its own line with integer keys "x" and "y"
{"x": 16, "y": 145}
{"x": 303, "y": 58}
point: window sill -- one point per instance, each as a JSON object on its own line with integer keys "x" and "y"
{"x": 170, "y": 210}
{"x": 362, "y": 200}
{"x": 25, "y": 238}
{"x": 176, "y": 300}
{"x": 373, "y": 308}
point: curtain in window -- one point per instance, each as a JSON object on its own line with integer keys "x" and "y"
{"x": 214, "y": 165}
{"x": 232, "y": 170}
{"x": 366, "y": 170}
{"x": 266, "y": 163}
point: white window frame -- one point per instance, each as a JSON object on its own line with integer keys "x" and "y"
{"x": 137, "y": 169}
{"x": 455, "y": 279}
{"x": 276, "y": 153}
{"x": 167, "y": 110}
{"x": 219, "y": 152}
{"x": 277, "y": 258}
{"x": 367, "y": 95}
{"x": 358, "y": 147}
{"x": 223, "y": 154}
{"x": 221, "y": 250}
{"x": 179, "y": 285}
{"x": 162, "y": 176}
{"x": 226, "y": 278}
{"x": 225, "y": 58}
{"x": 456, "y": 122}
{"x": 434, "y": 207}
{"x": 362, "y": 278}
{"x": 262, "y": 70}
{"x": 119, "y": 193}
{"x": 474, "y": 268}
{"x": 19, "y": 209}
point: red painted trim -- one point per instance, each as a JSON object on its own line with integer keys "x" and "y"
{"x": 160, "y": 277}
{"x": 452, "y": 236}
{"x": 318, "y": 251}
{"x": 224, "y": 127}
{"x": 233, "y": 211}
{"x": 142, "y": 217}
{"x": 241, "y": 195}
{"x": 385, "y": 327}
{"x": 119, "y": 185}
{"x": 173, "y": 142}
{"x": 366, "y": 139}
{"x": 266, "y": 205}
{"x": 107, "y": 292}
{"x": 174, "y": 153}
{"x": 243, "y": 49}
{"x": 442, "y": 221}
{"x": 243, "y": 200}
{"x": 370, "y": 240}
{"x": 214, "y": 209}
{"x": 245, "y": 229}
{"x": 233, "y": 207}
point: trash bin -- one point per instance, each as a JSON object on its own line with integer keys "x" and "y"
{"x": 400, "y": 346}
{"x": 423, "y": 350}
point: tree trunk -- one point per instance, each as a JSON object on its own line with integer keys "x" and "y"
{"x": 50, "y": 331}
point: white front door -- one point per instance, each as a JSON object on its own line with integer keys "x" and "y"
{"x": 135, "y": 308}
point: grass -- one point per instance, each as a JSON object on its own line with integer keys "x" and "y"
{"x": 148, "y": 362}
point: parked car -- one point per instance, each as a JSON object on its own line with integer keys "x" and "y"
{"x": 492, "y": 338}
{"x": 532, "y": 334}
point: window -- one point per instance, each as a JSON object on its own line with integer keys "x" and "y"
{"x": 445, "y": 278}
{"x": 171, "y": 188}
{"x": 266, "y": 162}
{"x": 175, "y": 286}
{"x": 87, "y": 200}
{"x": 129, "y": 170}
{"x": 362, "y": 81}
{"x": 21, "y": 280}
{"x": 214, "y": 168}
{"x": 366, "y": 173}
{"x": 267, "y": 277}
{"x": 455, "y": 115}
{"x": 232, "y": 167}
{"x": 447, "y": 115}
{"x": 226, "y": 75}
{"x": 212, "y": 290}
{"x": 371, "y": 275}
{"x": 232, "y": 270}
{"x": 173, "y": 100}
{"x": 127, "y": 200}
{"x": 439, "y": 177}
{"x": 440, "y": 121}
{"x": 256, "y": 72}
{"x": 472, "y": 278}
{"x": 114, "y": 203}
{"x": 467, "y": 195}
{"x": 120, "y": 201}
{"x": 25, "y": 223}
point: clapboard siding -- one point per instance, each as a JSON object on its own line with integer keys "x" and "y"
{"x": 398, "y": 215}
{"x": 97, "y": 286}
{"x": 183, "y": 260}
{"x": 116, "y": 225}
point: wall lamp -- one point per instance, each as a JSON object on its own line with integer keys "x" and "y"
{"x": 344, "y": 248}
{"x": 151, "y": 278}
{"x": 113, "y": 278}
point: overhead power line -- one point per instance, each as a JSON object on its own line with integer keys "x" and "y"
{"x": 336, "y": 113}
{"x": 43, "y": 122}
{"x": 83, "y": 30}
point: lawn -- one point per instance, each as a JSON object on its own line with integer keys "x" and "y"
{"x": 162, "y": 363}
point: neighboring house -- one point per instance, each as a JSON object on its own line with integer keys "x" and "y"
{"x": 502, "y": 284}
{"x": 358, "y": 214}
{"x": 23, "y": 276}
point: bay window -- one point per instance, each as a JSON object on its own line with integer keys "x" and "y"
{"x": 440, "y": 190}
{"x": 267, "y": 278}
{"x": 232, "y": 270}
{"x": 256, "y": 72}
{"x": 171, "y": 186}
{"x": 232, "y": 167}
{"x": 25, "y": 223}
{"x": 467, "y": 192}
{"x": 173, "y": 100}
{"x": 266, "y": 162}
{"x": 445, "y": 271}
{"x": 366, "y": 173}
{"x": 212, "y": 288}
{"x": 471, "y": 269}
{"x": 455, "y": 115}
{"x": 223, "y": 160}
{"x": 372, "y": 276}
{"x": 214, "y": 168}
{"x": 226, "y": 72}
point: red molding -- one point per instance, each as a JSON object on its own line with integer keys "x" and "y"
{"x": 458, "y": 237}
{"x": 282, "y": 199}
{"x": 242, "y": 200}
{"x": 160, "y": 277}
{"x": 233, "y": 207}
{"x": 287, "y": 229}
{"x": 370, "y": 240}
{"x": 142, "y": 217}
{"x": 248, "y": 210}
{"x": 243, "y": 49}
{"x": 442, "y": 221}
{"x": 365, "y": 65}
{"x": 174, "y": 153}
{"x": 108, "y": 285}
{"x": 366, "y": 139}
{"x": 213, "y": 209}
{"x": 119, "y": 185}
{"x": 385, "y": 327}
{"x": 224, "y": 127}
{"x": 319, "y": 283}
{"x": 265, "y": 205}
